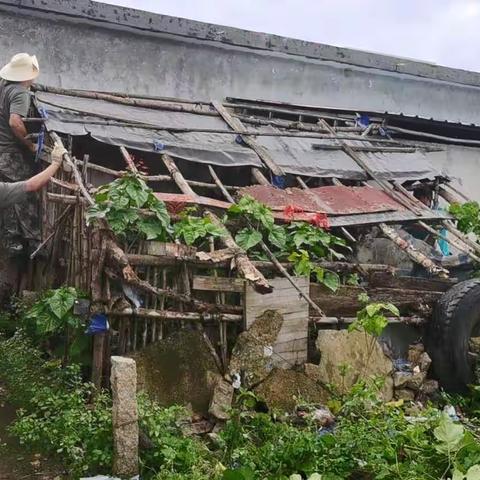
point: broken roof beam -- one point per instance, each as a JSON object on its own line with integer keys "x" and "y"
{"x": 412, "y": 252}
{"x": 175, "y": 316}
{"x": 236, "y": 125}
{"x": 177, "y": 176}
{"x": 244, "y": 266}
{"x": 462, "y": 248}
{"x": 220, "y": 185}
{"x": 397, "y": 196}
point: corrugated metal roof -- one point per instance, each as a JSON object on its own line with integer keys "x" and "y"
{"x": 333, "y": 200}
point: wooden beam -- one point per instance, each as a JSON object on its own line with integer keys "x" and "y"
{"x": 259, "y": 177}
{"x": 462, "y": 248}
{"x": 345, "y": 303}
{"x": 220, "y": 185}
{"x": 378, "y": 279}
{"x": 177, "y": 176}
{"x": 359, "y": 161}
{"x": 237, "y": 126}
{"x": 175, "y": 316}
{"x": 219, "y": 284}
{"x": 411, "y": 251}
{"x": 416, "y": 321}
{"x": 244, "y": 266}
{"x": 128, "y": 159}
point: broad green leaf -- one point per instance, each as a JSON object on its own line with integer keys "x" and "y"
{"x": 151, "y": 228}
{"x": 295, "y": 476}
{"x": 62, "y": 301}
{"x": 473, "y": 473}
{"x": 278, "y": 236}
{"x": 315, "y": 476}
{"x": 331, "y": 280}
{"x": 391, "y": 308}
{"x": 248, "y": 238}
{"x": 448, "y": 434}
{"x": 373, "y": 309}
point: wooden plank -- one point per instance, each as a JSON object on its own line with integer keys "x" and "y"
{"x": 236, "y": 125}
{"x": 286, "y": 300}
{"x": 385, "y": 280}
{"x": 344, "y": 303}
{"x": 219, "y": 284}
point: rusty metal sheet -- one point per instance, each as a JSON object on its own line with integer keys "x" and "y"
{"x": 278, "y": 199}
{"x": 350, "y": 200}
{"x": 333, "y": 200}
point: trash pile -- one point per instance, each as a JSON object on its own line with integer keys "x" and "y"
{"x": 410, "y": 378}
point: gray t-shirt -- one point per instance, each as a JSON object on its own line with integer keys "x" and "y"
{"x": 11, "y": 193}
{"x": 14, "y": 98}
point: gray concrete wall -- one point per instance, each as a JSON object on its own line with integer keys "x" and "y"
{"x": 83, "y": 44}
{"x": 118, "y": 52}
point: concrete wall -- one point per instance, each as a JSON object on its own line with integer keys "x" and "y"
{"x": 82, "y": 44}
{"x": 91, "y": 50}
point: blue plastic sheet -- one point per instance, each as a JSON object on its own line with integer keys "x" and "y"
{"x": 98, "y": 324}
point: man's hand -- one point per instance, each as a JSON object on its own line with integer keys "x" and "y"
{"x": 57, "y": 154}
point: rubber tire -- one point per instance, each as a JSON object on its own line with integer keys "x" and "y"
{"x": 456, "y": 316}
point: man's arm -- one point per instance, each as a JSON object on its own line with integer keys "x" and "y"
{"x": 20, "y": 131}
{"x": 40, "y": 179}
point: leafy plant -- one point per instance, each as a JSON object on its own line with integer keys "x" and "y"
{"x": 371, "y": 318}
{"x": 467, "y": 216}
{"x": 300, "y": 242}
{"x": 193, "y": 230}
{"x": 57, "y": 414}
{"x": 53, "y": 313}
{"x": 120, "y": 202}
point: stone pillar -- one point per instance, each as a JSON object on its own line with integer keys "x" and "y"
{"x": 125, "y": 417}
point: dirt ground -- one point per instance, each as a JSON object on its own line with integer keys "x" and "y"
{"x": 15, "y": 462}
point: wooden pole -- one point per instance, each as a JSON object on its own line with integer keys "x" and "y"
{"x": 244, "y": 265}
{"x": 455, "y": 244}
{"x": 414, "y": 254}
{"x": 177, "y": 176}
{"x": 236, "y": 125}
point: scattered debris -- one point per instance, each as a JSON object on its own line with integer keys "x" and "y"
{"x": 411, "y": 381}
{"x": 283, "y": 388}
{"x": 252, "y": 354}
{"x": 319, "y": 414}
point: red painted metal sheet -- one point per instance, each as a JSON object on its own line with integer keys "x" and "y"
{"x": 333, "y": 200}
{"x": 350, "y": 200}
{"x": 278, "y": 199}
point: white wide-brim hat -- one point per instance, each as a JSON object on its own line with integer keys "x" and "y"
{"x": 21, "y": 68}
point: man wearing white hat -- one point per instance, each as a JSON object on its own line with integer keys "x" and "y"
{"x": 16, "y": 149}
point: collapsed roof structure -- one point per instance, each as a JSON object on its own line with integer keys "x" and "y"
{"x": 353, "y": 170}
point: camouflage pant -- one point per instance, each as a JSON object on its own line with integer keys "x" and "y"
{"x": 18, "y": 224}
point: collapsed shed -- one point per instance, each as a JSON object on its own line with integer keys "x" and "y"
{"x": 343, "y": 171}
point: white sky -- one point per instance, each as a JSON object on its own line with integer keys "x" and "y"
{"x": 445, "y": 32}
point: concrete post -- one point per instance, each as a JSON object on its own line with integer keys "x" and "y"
{"x": 125, "y": 417}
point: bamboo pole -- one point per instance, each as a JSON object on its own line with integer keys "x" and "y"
{"x": 414, "y": 254}
{"x": 176, "y": 316}
{"x": 236, "y": 125}
{"x": 177, "y": 176}
{"x": 462, "y": 248}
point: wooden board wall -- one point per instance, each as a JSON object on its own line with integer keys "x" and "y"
{"x": 291, "y": 345}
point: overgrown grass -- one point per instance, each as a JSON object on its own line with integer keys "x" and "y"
{"x": 371, "y": 440}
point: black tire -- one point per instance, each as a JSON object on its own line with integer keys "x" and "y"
{"x": 456, "y": 318}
